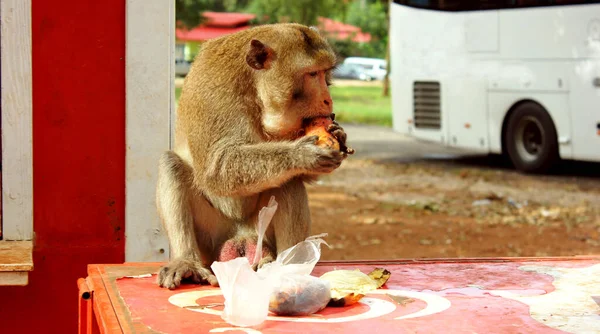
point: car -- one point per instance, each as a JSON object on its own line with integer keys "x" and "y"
{"x": 182, "y": 67}
{"x": 375, "y": 68}
{"x": 350, "y": 71}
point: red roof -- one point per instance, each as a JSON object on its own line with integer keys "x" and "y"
{"x": 216, "y": 25}
{"x": 205, "y": 33}
{"x": 220, "y": 24}
{"x": 227, "y": 19}
{"x": 339, "y": 30}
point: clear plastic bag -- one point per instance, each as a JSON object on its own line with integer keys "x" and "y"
{"x": 287, "y": 279}
{"x": 246, "y": 301}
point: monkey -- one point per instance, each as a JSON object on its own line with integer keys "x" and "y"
{"x": 238, "y": 141}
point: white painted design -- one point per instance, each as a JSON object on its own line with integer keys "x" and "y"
{"x": 570, "y": 307}
{"x": 377, "y": 307}
{"x": 435, "y": 303}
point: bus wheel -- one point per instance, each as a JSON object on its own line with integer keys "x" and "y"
{"x": 531, "y": 140}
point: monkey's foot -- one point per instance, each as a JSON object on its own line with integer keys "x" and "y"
{"x": 234, "y": 248}
{"x": 178, "y": 270}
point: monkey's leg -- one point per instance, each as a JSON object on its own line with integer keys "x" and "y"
{"x": 175, "y": 208}
{"x": 291, "y": 222}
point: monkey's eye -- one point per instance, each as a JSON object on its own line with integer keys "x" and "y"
{"x": 313, "y": 74}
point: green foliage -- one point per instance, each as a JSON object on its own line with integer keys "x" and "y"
{"x": 371, "y": 17}
{"x": 348, "y": 48}
{"x": 189, "y": 12}
{"x": 299, "y": 11}
{"x": 235, "y": 5}
{"x": 338, "y": 10}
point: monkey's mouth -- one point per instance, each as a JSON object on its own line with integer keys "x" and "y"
{"x": 307, "y": 120}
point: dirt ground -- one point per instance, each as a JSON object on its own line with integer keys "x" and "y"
{"x": 385, "y": 209}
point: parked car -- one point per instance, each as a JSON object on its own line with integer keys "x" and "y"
{"x": 351, "y": 71}
{"x": 372, "y": 67}
{"x": 182, "y": 67}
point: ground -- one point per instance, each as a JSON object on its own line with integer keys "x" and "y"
{"x": 399, "y": 198}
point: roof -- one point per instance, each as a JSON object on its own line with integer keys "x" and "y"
{"x": 227, "y": 19}
{"x": 205, "y": 33}
{"x": 339, "y": 30}
{"x": 220, "y": 24}
{"x": 216, "y": 25}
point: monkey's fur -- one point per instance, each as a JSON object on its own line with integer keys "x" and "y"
{"x": 238, "y": 141}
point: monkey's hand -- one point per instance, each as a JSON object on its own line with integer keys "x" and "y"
{"x": 316, "y": 159}
{"x": 171, "y": 275}
{"x": 338, "y": 132}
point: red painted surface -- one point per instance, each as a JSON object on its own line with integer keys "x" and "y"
{"x": 78, "y": 156}
{"x": 471, "y": 288}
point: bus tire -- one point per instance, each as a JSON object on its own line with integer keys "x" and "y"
{"x": 531, "y": 139}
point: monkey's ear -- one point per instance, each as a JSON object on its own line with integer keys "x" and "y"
{"x": 260, "y": 56}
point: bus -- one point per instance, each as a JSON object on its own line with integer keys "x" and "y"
{"x": 518, "y": 78}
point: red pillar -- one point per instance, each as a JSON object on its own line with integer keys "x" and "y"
{"x": 78, "y": 157}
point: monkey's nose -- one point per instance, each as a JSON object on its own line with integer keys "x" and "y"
{"x": 327, "y": 102}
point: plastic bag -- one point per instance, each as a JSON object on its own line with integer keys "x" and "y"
{"x": 246, "y": 302}
{"x": 247, "y": 293}
{"x": 299, "y": 295}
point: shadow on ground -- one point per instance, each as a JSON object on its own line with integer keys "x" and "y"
{"x": 564, "y": 169}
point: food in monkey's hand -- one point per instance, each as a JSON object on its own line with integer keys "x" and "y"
{"x": 300, "y": 295}
{"x": 319, "y": 126}
{"x": 349, "y": 286}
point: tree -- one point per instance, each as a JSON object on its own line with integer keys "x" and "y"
{"x": 188, "y": 13}
{"x": 386, "y": 79}
{"x": 299, "y": 11}
{"x": 371, "y": 17}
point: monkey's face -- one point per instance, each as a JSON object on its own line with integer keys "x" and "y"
{"x": 293, "y": 81}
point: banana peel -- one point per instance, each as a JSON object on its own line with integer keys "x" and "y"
{"x": 380, "y": 275}
{"x": 349, "y": 286}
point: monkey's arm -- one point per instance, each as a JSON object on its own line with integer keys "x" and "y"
{"x": 240, "y": 170}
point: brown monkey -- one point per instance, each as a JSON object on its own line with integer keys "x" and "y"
{"x": 238, "y": 141}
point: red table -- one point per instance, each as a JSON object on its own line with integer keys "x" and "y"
{"x": 500, "y": 295}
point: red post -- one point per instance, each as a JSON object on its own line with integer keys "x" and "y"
{"x": 78, "y": 55}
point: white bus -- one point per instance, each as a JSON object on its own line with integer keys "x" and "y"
{"x": 521, "y": 78}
